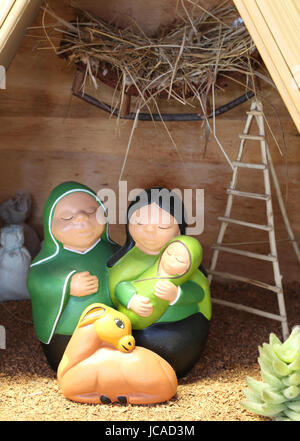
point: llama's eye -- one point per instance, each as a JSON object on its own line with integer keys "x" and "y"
{"x": 119, "y": 323}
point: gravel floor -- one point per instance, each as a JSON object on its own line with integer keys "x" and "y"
{"x": 210, "y": 392}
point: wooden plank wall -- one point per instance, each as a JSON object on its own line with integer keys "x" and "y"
{"x": 47, "y": 136}
{"x": 148, "y": 15}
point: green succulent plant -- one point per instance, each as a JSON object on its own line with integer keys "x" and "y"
{"x": 278, "y": 395}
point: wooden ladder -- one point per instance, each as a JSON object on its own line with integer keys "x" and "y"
{"x": 266, "y": 166}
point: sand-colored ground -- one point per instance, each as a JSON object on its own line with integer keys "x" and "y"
{"x": 210, "y": 392}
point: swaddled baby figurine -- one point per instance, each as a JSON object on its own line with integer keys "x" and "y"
{"x": 143, "y": 300}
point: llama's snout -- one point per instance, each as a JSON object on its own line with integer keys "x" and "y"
{"x": 126, "y": 343}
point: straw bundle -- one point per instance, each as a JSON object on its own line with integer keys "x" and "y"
{"x": 179, "y": 62}
{"x": 186, "y": 60}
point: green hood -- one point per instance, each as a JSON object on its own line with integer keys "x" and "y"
{"x": 54, "y": 309}
{"x": 195, "y": 251}
{"x": 52, "y": 246}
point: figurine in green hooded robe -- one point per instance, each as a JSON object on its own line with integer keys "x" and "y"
{"x": 177, "y": 262}
{"x": 70, "y": 271}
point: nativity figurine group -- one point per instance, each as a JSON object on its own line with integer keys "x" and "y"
{"x": 118, "y": 323}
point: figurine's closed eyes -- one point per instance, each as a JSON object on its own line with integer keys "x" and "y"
{"x": 161, "y": 227}
{"x": 69, "y": 216}
{"x": 151, "y": 228}
{"x": 92, "y": 210}
{"x": 66, "y": 217}
{"x": 181, "y": 259}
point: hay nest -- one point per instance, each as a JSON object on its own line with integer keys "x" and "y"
{"x": 182, "y": 61}
{"x": 185, "y": 62}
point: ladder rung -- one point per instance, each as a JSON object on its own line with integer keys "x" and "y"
{"x": 246, "y": 280}
{"x": 269, "y": 257}
{"x": 249, "y": 165}
{"x": 252, "y": 137}
{"x": 254, "y": 112}
{"x": 264, "y": 197}
{"x": 249, "y": 309}
{"x": 246, "y": 224}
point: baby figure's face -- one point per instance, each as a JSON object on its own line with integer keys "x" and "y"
{"x": 175, "y": 260}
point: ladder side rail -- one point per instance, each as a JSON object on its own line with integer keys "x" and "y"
{"x": 282, "y": 206}
{"x": 270, "y": 217}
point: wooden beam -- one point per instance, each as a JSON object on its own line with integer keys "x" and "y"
{"x": 274, "y": 26}
{"x": 15, "y": 17}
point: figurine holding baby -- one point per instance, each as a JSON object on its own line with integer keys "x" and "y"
{"x": 154, "y": 220}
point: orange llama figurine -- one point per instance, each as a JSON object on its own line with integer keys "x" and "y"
{"x": 101, "y": 363}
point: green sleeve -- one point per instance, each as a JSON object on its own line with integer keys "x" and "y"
{"x": 191, "y": 292}
{"x": 49, "y": 290}
{"x": 124, "y": 292}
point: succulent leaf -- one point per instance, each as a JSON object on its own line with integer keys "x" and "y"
{"x": 281, "y": 417}
{"x": 272, "y": 397}
{"x": 252, "y": 396}
{"x": 253, "y": 407}
{"x": 273, "y": 409}
{"x": 272, "y": 380}
{"x": 273, "y": 339}
{"x": 265, "y": 356}
{"x": 291, "y": 392}
{"x": 256, "y": 386}
{"x": 278, "y": 395}
{"x": 263, "y": 409}
{"x": 266, "y": 367}
{"x": 295, "y": 365}
{"x": 295, "y": 332}
{"x": 286, "y": 381}
{"x": 267, "y": 349}
{"x": 280, "y": 368}
{"x": 293, "y": 380}
{"x": 294, "y": 405}
{"x": 290, "y": 349}
{"x": 266, "y": 352}
{"x": 293, "y": 416}
{"x": 288, "y": 355}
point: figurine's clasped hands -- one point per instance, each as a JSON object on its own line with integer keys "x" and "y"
{"x": 166, "y": 290}
{"x": 83, "y": 284}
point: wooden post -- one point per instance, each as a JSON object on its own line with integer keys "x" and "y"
{"x": 78, "y": 82}
{"x": 125, "y": 107}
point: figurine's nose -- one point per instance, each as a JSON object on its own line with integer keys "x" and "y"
{"x": 80, "y": 216}
{"x": 149, "y": 228}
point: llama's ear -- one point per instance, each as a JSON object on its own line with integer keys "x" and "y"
{"x": 92, "y": 314}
